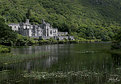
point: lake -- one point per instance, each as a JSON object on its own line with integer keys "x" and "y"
{"x": 85, "y": 63}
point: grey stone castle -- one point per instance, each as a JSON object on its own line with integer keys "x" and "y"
{"x": 42, "y": 31}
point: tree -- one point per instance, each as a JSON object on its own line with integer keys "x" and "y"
{"x": 117, "y": 41}
{"x": 118, "y": 36}
{"x": 28, "y": 14}
{"x": 7, "y": 35}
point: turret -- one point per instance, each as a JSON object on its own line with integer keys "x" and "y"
{"x": 27, "y": 21}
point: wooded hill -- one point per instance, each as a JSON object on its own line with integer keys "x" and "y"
{"x": 87, "y": 19}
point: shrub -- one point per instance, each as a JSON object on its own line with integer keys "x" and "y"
{"x": 4, "y": 49}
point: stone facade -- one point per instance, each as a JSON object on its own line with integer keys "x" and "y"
{"x": 43, "y": 31}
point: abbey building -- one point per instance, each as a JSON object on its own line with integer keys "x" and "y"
{"x": 42, "y": 31}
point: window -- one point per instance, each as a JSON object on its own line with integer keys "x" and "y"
{"x": 54, "y": 31}
{"x": 50, "y": 31}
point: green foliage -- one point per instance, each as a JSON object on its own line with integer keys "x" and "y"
{"x": 44, "y": 42}
{"x": 48, "y": 41}
{"x": 7, "y": 36}
{"x": 28, "y": 14}
{"x": 88, "y": 18}
{"x": 4, "y": 49}
{"x": 118, "y": 36}
{"x": 52, "y": 40}
{"x": 117, "y": 41}
{"x": 22, "y": 40}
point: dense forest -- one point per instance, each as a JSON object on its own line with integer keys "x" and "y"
{"x": 88, "y": 19}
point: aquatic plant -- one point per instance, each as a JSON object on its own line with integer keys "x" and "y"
{"x": 75, "y": 76}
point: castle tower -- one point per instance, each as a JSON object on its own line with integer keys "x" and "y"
{"x": 27, "y": 21}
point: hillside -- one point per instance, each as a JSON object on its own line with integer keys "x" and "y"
{"x": 83, "y": 18}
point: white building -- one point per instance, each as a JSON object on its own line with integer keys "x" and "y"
{"x": 43, "y": 31}
{"x": 14, "y": 26}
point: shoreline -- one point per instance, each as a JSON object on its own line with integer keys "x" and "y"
{"x": 7, "y": 49}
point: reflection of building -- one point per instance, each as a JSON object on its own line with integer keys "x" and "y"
{"x": 44, "y": 31}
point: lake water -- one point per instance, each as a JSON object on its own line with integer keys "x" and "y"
{"x": 85, "y": 63}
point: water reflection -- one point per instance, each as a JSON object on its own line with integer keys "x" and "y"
{"x": 50, "y": 61}
{"x": 37, "y": 49}
{"x": 116, "y": 60}
{"x": 64, "y": 58}
{"x": 28, "y": 66}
